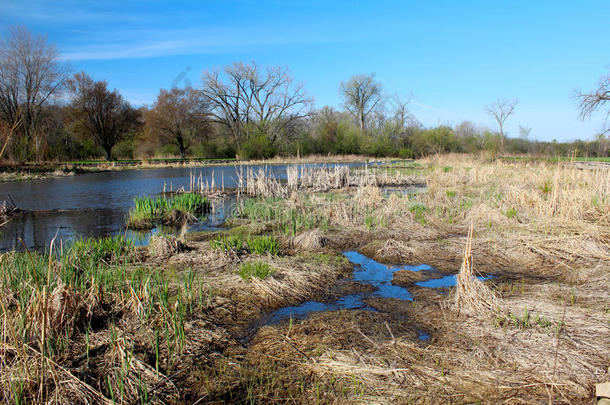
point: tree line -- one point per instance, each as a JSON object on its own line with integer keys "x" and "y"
{"x": 243, "y": 110}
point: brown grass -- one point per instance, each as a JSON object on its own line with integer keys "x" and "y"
{"x": 537, "y": 333}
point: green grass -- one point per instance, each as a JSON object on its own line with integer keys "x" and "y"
{"x": 148, "y": 211}
{"x": 511, "y": 213}
{"x": 229, "y": 242}
{"x": 291, "y": 220}
{"x": 263, "y": 244}
{"x": 255, "y": 269}
{"x": 255, "y": 244}
{"x": 419, "y": 212}
{"x": 100, "y": 282}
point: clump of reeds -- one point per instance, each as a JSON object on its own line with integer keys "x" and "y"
{"x": 312, "y": 179}
{"x": 163, "y": 247}
{"x": 291, "y": 219}
{"x": 313, "y": 239}
{"x": 173, "y": 210}
{"x": 471, "y": 294}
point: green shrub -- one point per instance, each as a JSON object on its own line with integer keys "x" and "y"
{"x": 405, "y": 153}
{"x": 257, "y": 146}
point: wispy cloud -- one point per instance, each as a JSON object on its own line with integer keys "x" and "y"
{"x": 129, "y": 45}
{"x": 66, "y": 12}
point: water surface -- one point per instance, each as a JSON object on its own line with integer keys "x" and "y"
{"x": 96, "y": 204}
{"x": 366, "y": 271}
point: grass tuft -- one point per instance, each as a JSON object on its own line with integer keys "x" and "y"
{"x": 255, "y": 269}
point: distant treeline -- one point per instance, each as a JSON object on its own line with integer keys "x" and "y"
{"x": 49, "y": 113}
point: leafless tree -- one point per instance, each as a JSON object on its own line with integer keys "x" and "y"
{"x": 402, "y": 116}
{"x": 179, "y": 116}
{"x": 362, "y": 94}
{"x": 466, "y": 129}
{"x": 102, "y": 113}
{"x": 595, "y": 100}
{"x": 30, "y": 76}
{"x": 500, "y": 110}
{"x": 244, "y": 97}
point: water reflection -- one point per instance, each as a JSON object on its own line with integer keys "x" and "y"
{"x": 366, "y": 271}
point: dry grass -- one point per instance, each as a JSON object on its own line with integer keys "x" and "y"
{"x": 471, "y": 294}
{"x": 537, "y": 333}
{"x": 301, "y": 179}
{"x": 310, "y": 240}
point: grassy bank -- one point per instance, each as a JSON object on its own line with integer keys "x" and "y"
{"x": 182, "y": 321}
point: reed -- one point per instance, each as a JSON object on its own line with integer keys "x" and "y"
{"x": 148, "y": 212}
{"x": 254, "y": 244}
{"x": 302, "y": 178}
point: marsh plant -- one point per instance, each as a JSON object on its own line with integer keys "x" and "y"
{"x": 256, "y": 269}
{"x": 291, "y": 220}
{"x": 77, "y": 302}
{"x": 173, "y": 210}
{"x": 254, "y": 244}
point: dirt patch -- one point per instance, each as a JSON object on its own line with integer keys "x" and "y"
{"x": 406, "y": 278}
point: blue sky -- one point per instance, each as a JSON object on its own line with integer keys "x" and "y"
{"x": 453, "y": 56}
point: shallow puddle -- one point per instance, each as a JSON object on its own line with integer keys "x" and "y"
{"x": 366, "y": 271}
{"x": 423, "y": 336}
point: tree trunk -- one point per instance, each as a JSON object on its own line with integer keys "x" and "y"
{"x": 108, "y": 150}
{"x": 181, "y": 146}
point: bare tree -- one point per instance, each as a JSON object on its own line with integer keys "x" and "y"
{"x": 361, "y": 95}
{"x": 500, "y": 110}
{"x": 30, "y": 76}
{"x": 244, "y": 97}
{"x": 401, "y": 114}
{"x": 595, "y": 100}
{"x": 524, "y": 132}
{"x": 466, "y": 129}
{"x": 179, "y": 116}
{"x": 102, "y": 113}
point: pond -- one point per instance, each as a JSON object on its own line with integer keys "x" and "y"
{"x": 96, "y": 204}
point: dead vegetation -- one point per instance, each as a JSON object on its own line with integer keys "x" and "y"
{"x": 183, "y": 326}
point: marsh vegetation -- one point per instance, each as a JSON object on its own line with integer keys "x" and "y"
{"x": 186, "y": 319}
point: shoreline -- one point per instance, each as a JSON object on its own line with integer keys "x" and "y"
{"x": 31, "y": 171}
